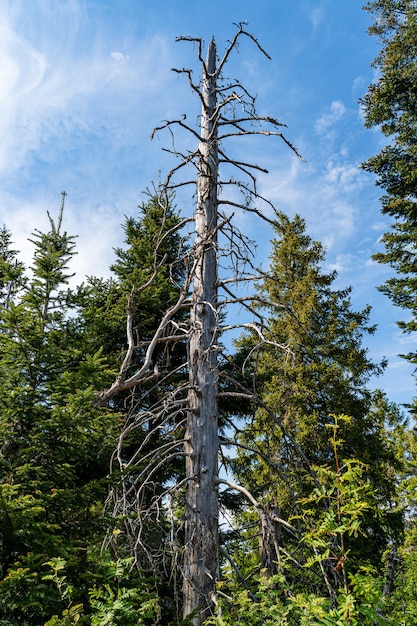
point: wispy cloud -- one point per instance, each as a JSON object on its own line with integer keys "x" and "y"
{"x": 345, "y": 177}
{"x": 119, "y": 57}
{"x": 73, "y": 109}
{"x": 322, "y": 196}
{"x": 316, "y": 16}
{"x": 341, "y": 263}
{"x": 333, "y": 115}
{"x": 359, "y": 85}
{"x": 73, "y": 84}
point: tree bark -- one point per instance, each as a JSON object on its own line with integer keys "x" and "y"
{"x": 202, "y": 443}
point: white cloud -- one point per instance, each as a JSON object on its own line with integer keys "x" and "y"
{"x": 73, "y": 109}
{"x": 21, "y": 72}
{"x": 322, "y": 197}
{"x": 359, "y": 86}
{"x": 335, "y": 113}
{"x": 316, "y": 16}
{"x": 119, "y": 57}
{"x": 337, "y": 221}
{"x": 341, "y": 263}
{"x": 346, "y": 177}
{"x": 406, "y": 339}
{"x": 379, "y": 226}
{"x": 50, "y": 89}
{"x": 282, "y": 186}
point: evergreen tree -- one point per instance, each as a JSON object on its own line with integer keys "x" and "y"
{"x": 55, "y": 446}
{"x": 11, "y": 270}
{"x": 152, "y": 240}
{"x": 322, "y": 374}
{"x": 390, "y": 106}
{"x": 152, "y": 254}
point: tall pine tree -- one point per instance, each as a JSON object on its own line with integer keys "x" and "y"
{"x": 320, "y": 375}
{"x": 54, "y": 447}
{"x": 152, "y": 255}
{"x": 390, "y": 106}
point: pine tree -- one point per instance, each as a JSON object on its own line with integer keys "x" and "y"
{"x": 322, "y": 374}
{"x": 151, "y": 240}
{"x": 11, "y": 270}
{"x": 390, "y": 106}
{"x": 55, "y": 446}
{"x": 151, "y": 254}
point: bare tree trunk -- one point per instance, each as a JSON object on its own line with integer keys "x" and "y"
{"x": 201, "y": 529}
{"x": 228, "y": 110}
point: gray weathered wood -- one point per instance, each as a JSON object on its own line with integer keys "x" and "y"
{"x": 228, "y": 111}
{"x": 202, "y": 443}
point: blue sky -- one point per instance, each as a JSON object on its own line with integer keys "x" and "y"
{"x": 84, "y": 82}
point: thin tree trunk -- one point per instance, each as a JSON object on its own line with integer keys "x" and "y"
{"x": 390, "y": 579}
{"x": 201, "y": 529}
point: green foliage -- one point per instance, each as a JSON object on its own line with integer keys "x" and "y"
{"x": 11, "y": 270}
{"x": 269, "y": 606}
{"x": 73, "y": 612}
{"x": 54, "y": 444}
{"x": 390, "y": 105}
{"x": 401, "y": 602}
{"x": 346, "y": 495}
{"x": 401, "y": 606}
{"x": 288, "y": 446}
{"x": 122, "y": 598}
{"x": 331, "y": 514}
{"x": 264, "y": 608}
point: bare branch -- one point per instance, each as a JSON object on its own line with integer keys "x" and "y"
{"x": 179, "y": 122}
{"x": 199, "y": 43}
{"x": 254, "y": 502}
{"x": 142, "y": 374}
{"x": 194, "y": 87}
{"x": 232, "y": 46}
{"x": 258, "y": 119}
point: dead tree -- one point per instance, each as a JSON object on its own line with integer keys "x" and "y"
{"x": 202, "y": 442}
{"x": 188, "y": 414}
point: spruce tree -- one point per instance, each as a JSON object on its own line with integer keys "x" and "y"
{"x": 320, "y": 375}
{"x": 152, "y": 239}
{"x": 389, "y": 105}
{"x": 54, "y": 446}
{"x": 151, "y": 253}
